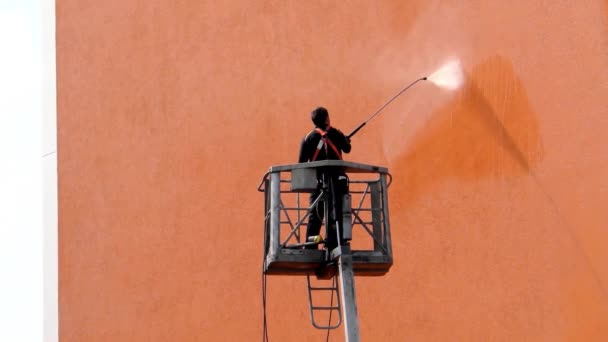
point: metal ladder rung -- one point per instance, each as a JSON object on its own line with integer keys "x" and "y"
{"x": 326, "y": 307}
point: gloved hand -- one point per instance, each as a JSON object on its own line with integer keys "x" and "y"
{"x": 348, "y": 140}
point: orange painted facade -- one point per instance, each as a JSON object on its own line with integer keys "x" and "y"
{"x": 170, "y": 112}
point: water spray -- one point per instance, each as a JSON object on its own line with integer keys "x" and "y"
{"x": 448, "y": 76}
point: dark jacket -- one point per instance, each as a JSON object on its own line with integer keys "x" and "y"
{"x": 311, "y": 141}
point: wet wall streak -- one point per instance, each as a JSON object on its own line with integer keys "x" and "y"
{"x": 466, "y": 193}
{"x": 487, "y": 131}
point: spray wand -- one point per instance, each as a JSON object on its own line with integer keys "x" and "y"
{"x": 383, "y": 106}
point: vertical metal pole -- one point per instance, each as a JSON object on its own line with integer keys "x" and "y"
{"x": 377, "y": 222}
{"x": 387, "y": 227}
{"x": 347, "y": 283}
{"x": 275, "y": 212}
{"x": 347, "y": 217}
{"x": 298, "y": 233}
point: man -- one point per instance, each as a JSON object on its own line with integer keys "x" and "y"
{"x": 322, "y": 143}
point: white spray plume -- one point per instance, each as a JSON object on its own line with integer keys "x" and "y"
{"x": 448, "y": 76}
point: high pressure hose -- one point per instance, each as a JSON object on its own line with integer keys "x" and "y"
{"x": 383, "y": 106}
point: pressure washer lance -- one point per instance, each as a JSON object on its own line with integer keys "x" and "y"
{"x": 386, "y": 104}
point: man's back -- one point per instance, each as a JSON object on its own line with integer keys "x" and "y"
{"x": 332, "y": 148}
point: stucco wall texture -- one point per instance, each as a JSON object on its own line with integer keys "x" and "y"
{"x": 170, "y": 112}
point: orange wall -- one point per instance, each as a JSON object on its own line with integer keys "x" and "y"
{"x": 170, "y": 112}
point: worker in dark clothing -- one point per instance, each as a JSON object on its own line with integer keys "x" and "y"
{"x": 322, "y": 143}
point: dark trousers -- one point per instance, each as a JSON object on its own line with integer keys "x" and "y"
{"x": 315, "y": 220}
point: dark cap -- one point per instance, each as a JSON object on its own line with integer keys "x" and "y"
{"x": 318, "y": 116}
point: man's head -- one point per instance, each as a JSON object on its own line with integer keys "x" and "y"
{"x": 320, "y": 117}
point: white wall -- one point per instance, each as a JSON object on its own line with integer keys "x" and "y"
{"x": 28, "y": 181}
{"x": 49, "y": 184}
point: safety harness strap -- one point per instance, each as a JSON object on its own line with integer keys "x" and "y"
{"x": 325, "y": 141}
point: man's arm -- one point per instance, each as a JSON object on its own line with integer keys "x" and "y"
{"x": 303, "y": 153}
{"x": 344, "y": 142}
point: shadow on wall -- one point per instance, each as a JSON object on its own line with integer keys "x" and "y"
{"x": 487, "y": 131}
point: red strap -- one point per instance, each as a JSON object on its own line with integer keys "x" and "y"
{"x": 314, "y": 157}
{"x": 326, "y": 141}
